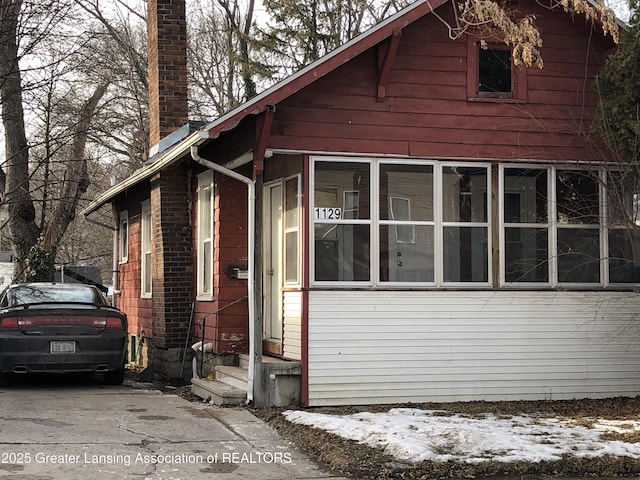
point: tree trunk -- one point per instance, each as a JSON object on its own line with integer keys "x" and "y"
{"x": 23, "y": 230}
{"x": 76, "y": 176}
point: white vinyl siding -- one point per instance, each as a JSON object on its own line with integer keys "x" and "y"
{"x": 390, "y": 347}
{"x": 292, "y": 343}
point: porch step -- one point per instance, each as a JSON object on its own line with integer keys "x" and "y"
{"x": 235, "y": 376}
{"x": 218, "y": 392}
{"x": 230, "y": 384}
{"x": 277, "y": 366}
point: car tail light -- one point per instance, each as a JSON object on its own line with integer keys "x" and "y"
{"x": 114, "y": 322}
{"x": 9, "y": 322}
{"x": 53, "y": 321}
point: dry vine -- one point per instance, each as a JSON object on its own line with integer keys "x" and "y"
{"x": 490, "y": 19}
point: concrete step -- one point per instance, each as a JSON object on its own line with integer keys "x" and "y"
{"x": 217, "y": 392}
{"x": 235, "y": 376}
{"x": 243, "y": 358}
{"x": 277, "y": 366}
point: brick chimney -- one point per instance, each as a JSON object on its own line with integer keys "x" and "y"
{"x": 171, "y": 244}
{"x": 167, "y": 60}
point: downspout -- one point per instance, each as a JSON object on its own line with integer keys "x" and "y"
{"x": 250, "y": 253}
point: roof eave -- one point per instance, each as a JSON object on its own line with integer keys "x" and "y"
{"x": 171, "y": 156}
{"x": 322, "y": 66}
{"x": 272, "y": 96}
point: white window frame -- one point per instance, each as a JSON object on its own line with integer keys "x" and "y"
{"x": 393, "y": 222}
{"x": 374, "y": 223}
{"x": 292, "y": 229}
{"x": 123, "y": 237}
{"x": 338, "y": 221}
{"x": 552, "y": 270}
{"x": 441, "y": 224}
{"x": 145, "y": 250}
{"x": 553, "y": 226}
{"x": 205, "y": 238}
{"x": 607, "y": 226}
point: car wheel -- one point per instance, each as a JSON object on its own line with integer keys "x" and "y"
{"x": 114, "y": 378}
{"x": 4, "y": 379}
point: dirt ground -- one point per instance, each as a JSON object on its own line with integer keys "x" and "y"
{"x": 362, "y": 462}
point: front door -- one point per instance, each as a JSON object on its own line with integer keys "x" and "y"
{"x": 273, "y": 269}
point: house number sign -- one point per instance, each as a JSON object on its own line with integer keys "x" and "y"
{"x": 328, "y": 213}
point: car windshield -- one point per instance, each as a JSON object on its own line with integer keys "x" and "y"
{"x": 31, "y": 294}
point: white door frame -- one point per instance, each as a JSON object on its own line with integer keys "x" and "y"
{"x": 273, "y": 267}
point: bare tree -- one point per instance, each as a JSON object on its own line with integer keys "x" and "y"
{"x": 119, "y": 49}
{"x": 222, "y": 60}
{"x": 35, "y": 238}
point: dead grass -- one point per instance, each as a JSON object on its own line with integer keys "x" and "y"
{"x": 362, "y": 462}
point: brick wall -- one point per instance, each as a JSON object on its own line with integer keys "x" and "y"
{"x": 172, "y": 264}
{"x": 167, "y": 63}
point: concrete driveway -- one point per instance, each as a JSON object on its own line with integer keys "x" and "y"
{"x": 68, "y": 427}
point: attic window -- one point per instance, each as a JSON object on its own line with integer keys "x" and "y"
{"x": 491, "y": 74}
{"x": 494, "y": 72}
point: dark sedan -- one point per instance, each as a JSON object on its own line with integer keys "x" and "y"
{"x": 60, "y": 328}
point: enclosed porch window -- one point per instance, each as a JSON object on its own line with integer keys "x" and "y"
{"x": 381, "y": 221}
{"x": 568, "y": 227}
{"x": 342, "y": 221}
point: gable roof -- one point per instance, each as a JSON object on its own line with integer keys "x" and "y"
{"x": 272, "y": 96}
{"x": 323, "y": 66}
{"x": 275, "y": 94}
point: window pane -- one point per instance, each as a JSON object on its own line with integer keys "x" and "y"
{"x": 205, "y": 211}
{"x": 291, "y": 257}
{"x": 578, "y": 255}
{"x": 146, "y": 249}
{"x": 411, "y": 183}
{"x": 525, "y": 195}
{"x": 624, "y": 264}
{"x": 494, "y": 70}
{"x": 342, "y": 252}
{"x": 206, "y": 267}
{"x": 146, "y": 225}
{"x": 406, "y": 262}
{"x": 291, "y": 203}
{"x": 577, "y": 197}
{"x": 124, "y": 238}
{"x": 464, "y": 192}
{"x": 147, "y": 272}
{"x": 343, "y": 186}
{"x": 623, "y": 198}
{"x": 526, "y": 255}
{"x": 465, "y": 254}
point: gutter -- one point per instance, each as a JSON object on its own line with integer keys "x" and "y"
{"x": 254, "y": 355}
{"x": 172, "y": 155}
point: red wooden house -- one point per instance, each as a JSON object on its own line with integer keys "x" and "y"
{"x": 410, "y": 218}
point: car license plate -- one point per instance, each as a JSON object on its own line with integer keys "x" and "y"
{"x": 63, "y": 347}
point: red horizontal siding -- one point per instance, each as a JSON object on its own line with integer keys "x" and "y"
{"x": 426, "y": 111}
